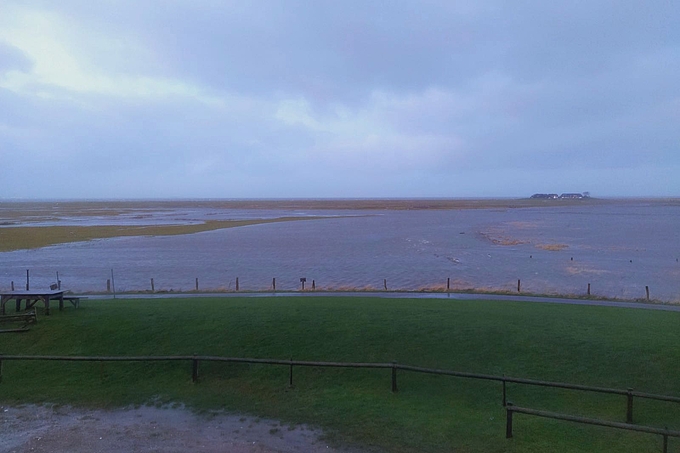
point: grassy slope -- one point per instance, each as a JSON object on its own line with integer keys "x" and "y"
{"x": 590, "y": 345}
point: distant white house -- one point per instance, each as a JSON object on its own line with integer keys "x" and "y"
{"x": 574, "y": 196}
{"x": 564, "y": 196}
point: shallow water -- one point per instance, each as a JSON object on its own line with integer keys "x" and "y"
{"x": 617, "y": 248}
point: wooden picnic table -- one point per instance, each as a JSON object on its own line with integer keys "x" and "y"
{"x": 32, "y": 298}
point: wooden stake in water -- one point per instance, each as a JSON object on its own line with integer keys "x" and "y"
{"x": 448, "y": 283}
{"x": 113, "y": 284}
{"x": 385, "y": 283}
{"x": 647, "y": 290}
{"x": 274, "y": 284}
{"x": 236, "y": 283}
{"x": 153, "y": 289}
{"x": 28, "y": 278}
{"x": 196, "y": 283}
{"x": 519, "y": 286}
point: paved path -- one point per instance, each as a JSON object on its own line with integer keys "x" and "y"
{"x": 408, "y": 295}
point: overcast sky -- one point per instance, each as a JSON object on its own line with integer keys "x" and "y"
{"x": 268, "y": 99}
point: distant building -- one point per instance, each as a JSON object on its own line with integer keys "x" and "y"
{"x": 573, "y": 196}
{"x": 564, "y": 196}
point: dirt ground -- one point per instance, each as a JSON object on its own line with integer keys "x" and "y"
{"x": 61, "y": 429}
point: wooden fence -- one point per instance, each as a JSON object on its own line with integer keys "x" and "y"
{"x": 511, "y": 409}
{"x": 629, "y": 393}
{"x": 435, "y": 286}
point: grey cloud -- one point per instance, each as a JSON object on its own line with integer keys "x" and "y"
{"x": 533, "y": 90}
{"x": 12, "y": 58}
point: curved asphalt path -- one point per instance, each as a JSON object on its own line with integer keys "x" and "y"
{"x": 406, "y": 295}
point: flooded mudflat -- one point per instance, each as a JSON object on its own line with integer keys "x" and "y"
{"x": 619, "y": 248}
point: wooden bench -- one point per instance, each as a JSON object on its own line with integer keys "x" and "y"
{"x": 27, "y": 318}
{"x": 75, "y": 301}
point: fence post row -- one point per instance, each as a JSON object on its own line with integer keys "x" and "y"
{"x": 110, "y": 285}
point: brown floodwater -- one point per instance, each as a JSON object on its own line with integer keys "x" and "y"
{"x": 618, "y": 247}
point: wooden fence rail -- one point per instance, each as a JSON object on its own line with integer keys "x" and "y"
{"x": 511, "y": 409}
{"x": 394, "y": 366}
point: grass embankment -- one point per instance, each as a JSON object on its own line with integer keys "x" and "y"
{"x": 590, "y": 345}
{"x": 18, "y": 238}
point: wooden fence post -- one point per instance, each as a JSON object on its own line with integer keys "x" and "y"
{"x": 505, "y": 401}
{"x": 290, "y": 375}
{"x": 589, "y": 289}
{"x": 194, "y": 369}
{"x": 508, "y": 421}
{"x": 196, "y": 283}
{"x": 647, "y": 290}
{"x": 153, "y": 289}
{"x": 313, "y": 285}
{"x": 385, "y": 283}
{"x": 394, "y": 377}
{"x": 629, "y": 406}
{"x": 448, "y": 283}
{"x": 519, "y": 283}
{"x": 274, "y": 284}
{"x": 28, "y": 278}
{"x": 236, "y": 283}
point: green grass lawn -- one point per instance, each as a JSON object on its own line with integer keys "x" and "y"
{"x": 601, "y": 346}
